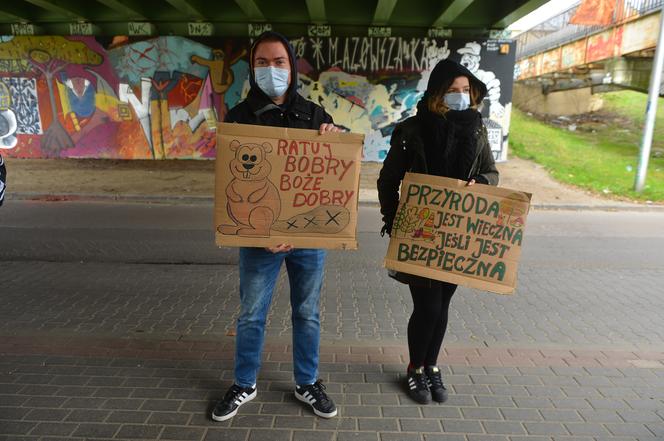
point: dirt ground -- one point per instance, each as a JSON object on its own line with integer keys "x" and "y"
{"x": 58, "y": 179}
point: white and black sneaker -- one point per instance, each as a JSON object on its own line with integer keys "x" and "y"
{"x": 418, "y": 385}
{"x": 315, "y": 396}
{"x": 436, "y": 386}
{"x": 236, "y": 396}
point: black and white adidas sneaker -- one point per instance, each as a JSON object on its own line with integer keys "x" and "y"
{"x": 418, "y": 385}
{"x": 236, "y": 396}
{"x": 315, "y": 396}
{"x": 436, "y": 385}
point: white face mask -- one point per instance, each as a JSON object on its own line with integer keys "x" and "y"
{"x": 272, "y": 80}
{"x": 457, "y": 101}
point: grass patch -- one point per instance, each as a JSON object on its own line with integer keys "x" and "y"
{"x": 602, "y": 154}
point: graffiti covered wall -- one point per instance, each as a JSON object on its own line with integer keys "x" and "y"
{"x": 73, "y": 97}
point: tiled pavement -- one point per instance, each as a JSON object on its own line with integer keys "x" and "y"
{"x": 119, "y": 344}
{"x": 84, "y": 388}
{"x": 176, "y": 283}
{"x": 554, "y": 307}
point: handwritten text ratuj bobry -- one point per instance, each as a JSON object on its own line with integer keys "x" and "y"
{"x": 463, "y": 233}
{"x": 308, "y": 167}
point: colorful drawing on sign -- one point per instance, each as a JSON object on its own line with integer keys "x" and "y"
{"x": 512, "y": 213}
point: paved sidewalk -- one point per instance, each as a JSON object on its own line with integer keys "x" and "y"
{"x": 116, "y": 323}
{"x": 67, "y": 388}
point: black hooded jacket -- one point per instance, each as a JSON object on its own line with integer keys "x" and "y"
{"x": 455, "y": 145}
{"x": 259, "y": 109}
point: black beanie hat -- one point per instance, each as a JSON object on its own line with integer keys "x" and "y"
{"x": 445, "y": 71}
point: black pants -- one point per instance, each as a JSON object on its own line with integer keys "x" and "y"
{"x": 428, "y": 322}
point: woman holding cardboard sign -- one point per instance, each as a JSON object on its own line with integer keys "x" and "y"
{"x": 446, "y": 138}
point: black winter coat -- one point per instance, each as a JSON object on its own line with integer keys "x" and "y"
{"x": 259, "y": 110}
{"x": 407, "y": 154}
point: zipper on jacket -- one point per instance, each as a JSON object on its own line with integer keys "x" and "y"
{"x": 477, "y": 155}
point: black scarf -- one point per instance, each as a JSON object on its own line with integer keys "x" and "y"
{"x": 450, "y": 141}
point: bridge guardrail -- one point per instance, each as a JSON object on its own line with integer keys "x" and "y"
{"x": 625, "y": 10}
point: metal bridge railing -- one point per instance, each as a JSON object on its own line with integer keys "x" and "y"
{"x": 528, "y": 43}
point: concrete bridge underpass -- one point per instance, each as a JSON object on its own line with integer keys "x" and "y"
{"x": 558, "y": 56}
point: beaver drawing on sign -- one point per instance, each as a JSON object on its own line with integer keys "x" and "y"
{"x": 253, "y": 201}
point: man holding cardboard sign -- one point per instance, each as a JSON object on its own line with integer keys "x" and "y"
{"x": 280, "y": 185}
{"x": 273, "y": 101}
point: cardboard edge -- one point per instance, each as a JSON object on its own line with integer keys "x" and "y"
{"x": 296, "y": 242}
{"x": 231, "y": 129}
{"x": 502, "y": 192}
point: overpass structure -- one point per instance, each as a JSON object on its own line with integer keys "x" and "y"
{"x": 233, "y": 17}
{"x": 557, "y": 55}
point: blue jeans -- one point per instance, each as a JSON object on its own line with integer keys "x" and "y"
{"x": 259, "y": 270}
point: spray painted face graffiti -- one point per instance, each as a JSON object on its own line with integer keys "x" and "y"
{"x": 470, "y": 58}
{"x": 7, "y": 129}
{"x": 8, "y": 123}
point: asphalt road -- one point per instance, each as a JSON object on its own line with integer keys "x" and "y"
{"x": 587, "y": 279}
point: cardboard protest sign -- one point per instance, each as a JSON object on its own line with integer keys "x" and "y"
{"x": 279, "y": 185}
{"x": 469, "y": 236}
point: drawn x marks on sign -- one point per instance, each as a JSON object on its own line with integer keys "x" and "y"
{"x": 331, "y": 217}
{"x": 323, "y": 220}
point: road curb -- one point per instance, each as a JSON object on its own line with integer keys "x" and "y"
{"x": 91, "y": 197}
{"x": 364, "y": 201}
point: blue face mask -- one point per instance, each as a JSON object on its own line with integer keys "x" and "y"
{"x": 272, "y": 80}
{"x": 457, "y": 101}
